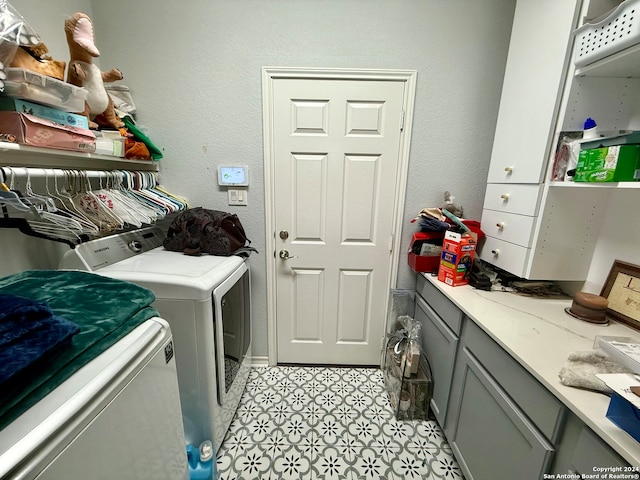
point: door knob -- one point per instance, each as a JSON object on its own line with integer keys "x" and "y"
{"x": 284, "y": 234}
{"x": 284, "y": 255}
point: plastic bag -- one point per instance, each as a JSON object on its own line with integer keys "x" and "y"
{"x": 14, "y": 32}
{"x": 122, "y": 99}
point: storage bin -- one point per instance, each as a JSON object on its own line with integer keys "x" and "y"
{"x": 617, "y": 31}
{"x": 32, "y": 86}
{"x": 424, "y": 263}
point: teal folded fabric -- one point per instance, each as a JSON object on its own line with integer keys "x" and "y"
{"x": 104, "y": 309}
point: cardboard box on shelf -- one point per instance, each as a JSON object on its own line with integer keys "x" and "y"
{"x": 48, "y": 113}
{"x": 37, "y": 132}
{"x": 619, "y": 163}
{"x": 456, "y": 260}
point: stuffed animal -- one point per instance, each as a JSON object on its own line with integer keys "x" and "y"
{"x": 83, "y": 73}
{"x": 33, "y": 58}
{"x": 21, "y": 46}
{"x": 452, "y": 207}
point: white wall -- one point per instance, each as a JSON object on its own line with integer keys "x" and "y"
{"x": 619, "y": 238}
{"x": 194, "y": 70}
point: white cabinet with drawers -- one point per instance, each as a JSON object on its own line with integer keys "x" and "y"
{"x": 536, "y": 67}
{"x": 558, "y": 230}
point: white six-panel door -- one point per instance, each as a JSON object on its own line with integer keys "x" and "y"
{"x": 336, "y": 145}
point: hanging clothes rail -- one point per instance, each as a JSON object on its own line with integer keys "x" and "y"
{"x": 73, "y": 206}
{"x": 46, "y": 173}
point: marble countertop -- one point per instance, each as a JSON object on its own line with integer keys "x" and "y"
{"x": 540, "y": 335}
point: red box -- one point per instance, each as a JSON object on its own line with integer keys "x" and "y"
{"x": 37, "y": 132}
{"x": 456, "y": 259}
{"x": 424, "y": 263}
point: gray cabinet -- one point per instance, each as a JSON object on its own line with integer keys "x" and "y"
{"x": 580, "y": 451}
{"x": 440, "y": 323}
{"x": 439, "y": 344}
{"x": 500, "y": 422}
{"x": 490, "y": 436}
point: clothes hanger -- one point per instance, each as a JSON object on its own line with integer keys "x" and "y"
{"x": 86, "y": 201}
{"x": 122, "y": 186}
{"x": 120, "y": 208}
{"x": 66, "y": 206}
{"x": 133, "y": 190}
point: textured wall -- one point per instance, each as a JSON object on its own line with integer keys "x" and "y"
{"x": 194, "y": 70}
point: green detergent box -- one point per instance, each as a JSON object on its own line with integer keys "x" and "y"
{"x": 619, "y": 163}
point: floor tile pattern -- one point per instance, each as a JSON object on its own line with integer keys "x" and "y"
{"x": 308, "y": 423}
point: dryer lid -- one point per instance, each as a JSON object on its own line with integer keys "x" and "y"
{"x": 175, "y": 275}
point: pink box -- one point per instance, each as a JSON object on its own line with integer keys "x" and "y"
{"x": 38, "y": 132}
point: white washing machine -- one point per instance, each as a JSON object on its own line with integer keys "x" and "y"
{"x": 117, "y": 417}
{"x": 206, "y": 300}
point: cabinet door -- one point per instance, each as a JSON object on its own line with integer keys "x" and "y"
{"x": 581, "y": 451}
{"x": 534, "y": 76}
{"x": 439, "y": 344}
{"x": 490, "y": 436}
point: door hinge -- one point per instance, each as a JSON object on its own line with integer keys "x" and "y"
{"x": 402, "y": 121}
{"x": 391, "y": 243}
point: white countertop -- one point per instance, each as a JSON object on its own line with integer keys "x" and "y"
{"x": 540, "y": 335}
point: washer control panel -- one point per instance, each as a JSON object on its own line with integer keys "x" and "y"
{"x": 105, "y": 251}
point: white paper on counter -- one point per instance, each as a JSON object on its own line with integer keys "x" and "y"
{"x": 621, "y": 383}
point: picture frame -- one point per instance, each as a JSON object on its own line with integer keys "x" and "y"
{"x": 622, "y": 289}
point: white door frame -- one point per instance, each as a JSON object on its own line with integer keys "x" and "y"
{"x": 269, "y": 75}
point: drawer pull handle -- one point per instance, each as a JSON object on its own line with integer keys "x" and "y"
{"x": 500, "y": 225}
{"x": 504, "y": 196}
{"x": 496, "y": 252}
{"x": 508, "y": 169}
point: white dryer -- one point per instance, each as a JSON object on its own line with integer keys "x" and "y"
{"x": 206, "y": 300}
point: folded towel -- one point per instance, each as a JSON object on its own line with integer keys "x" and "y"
{"x": 18, "y": 316}
{"x": 12, "y": 306}
{"x": 581, "y": 369}
{"x": 31, "y": 334}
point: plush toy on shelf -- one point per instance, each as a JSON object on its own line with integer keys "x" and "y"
{"x": 21, "y": 46}
{"x": 84, "y": 73}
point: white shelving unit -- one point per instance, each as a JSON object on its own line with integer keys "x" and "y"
{"x": 25, "y": 156}
{"x": 566, "y": 225}
{"x": 624, "y": 64}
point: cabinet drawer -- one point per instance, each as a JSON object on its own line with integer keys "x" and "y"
{"x": 510, "y": 227}
{"x": 545, "y": 410}
{"x": 512, "y": 198}
{"x": 505, "y": 255}
{"x": 441, "y": 305}
{"x": 439, "y": 344}
{"x": 490, "y": 436}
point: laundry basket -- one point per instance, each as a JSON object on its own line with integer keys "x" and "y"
{"x": 618, "y": 30}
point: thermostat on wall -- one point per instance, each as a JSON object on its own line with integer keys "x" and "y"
{"x": 233, "y": 175}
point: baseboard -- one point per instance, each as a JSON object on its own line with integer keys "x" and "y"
{"x": 259, "y": 361}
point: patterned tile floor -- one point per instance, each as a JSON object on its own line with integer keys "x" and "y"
{"x": 308, "y": 423}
